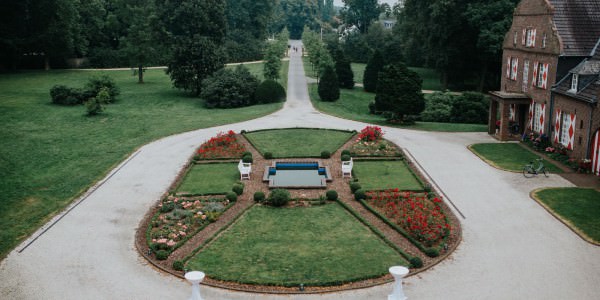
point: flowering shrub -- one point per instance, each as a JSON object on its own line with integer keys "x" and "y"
{"x": 224, "y": 145}
{"x": 370, "y": 134}
{"x": 179, "y": 218}
{"x": 421, "y": 217}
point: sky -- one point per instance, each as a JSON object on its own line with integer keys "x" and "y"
{"x": 390, "y": 2}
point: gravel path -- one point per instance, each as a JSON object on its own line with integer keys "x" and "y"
{"x": 512, "y": 248}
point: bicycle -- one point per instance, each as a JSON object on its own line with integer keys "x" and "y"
{"x": 530, "y": 169}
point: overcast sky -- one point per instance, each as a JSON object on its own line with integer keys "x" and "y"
{"x": 340, "y": 3}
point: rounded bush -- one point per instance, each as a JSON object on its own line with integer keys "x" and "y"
{"x": 345, "y": 152}
{"x": 268, "y": 155}
{"x": 331, "y": 195}
{"x": 360, "y": 195}
{"x": 269, "y": 91}
{"x": 259, "y": 196}
{"x": 416, "y": 262}
{"x": 325, "y": 154}
{"x": 64, "y": 95}
{"x": 354, "y": 186}
{"x": 162, "y": 254}
{"x": 279, "y": 197}
{"x": 238, "y": 189}
{"x": 247, "y": 153}
{"x": 247, "y": 159}
{"x": 178, "y": 265}
{"x": 432, "y": 252}
{"x": 345, "y": 157}
{"x": 231, "y": 196}
{"x": 96, "y": 84}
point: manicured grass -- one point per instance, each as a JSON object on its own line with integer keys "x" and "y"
{"x": 209, "y": 179}
{"x": 50, "y": 154}
{"x": 354, "y": 105}
{"x": 319, "y": 245}
{"x": 509, "y": 156}
{"x": 359, "y": 71}
{"x": 579, "y": 207}
{"x": 380, "y": 175}
{"x": 298, "y": 142}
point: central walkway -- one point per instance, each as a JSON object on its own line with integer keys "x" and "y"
{"x": 511, "y": 248}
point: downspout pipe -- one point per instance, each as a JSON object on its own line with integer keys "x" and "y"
{"x": 589, "y": 139}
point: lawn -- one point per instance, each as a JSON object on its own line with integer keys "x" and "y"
{"x": 51, "y": 154}
{"x": 298, "y": 142}
{"x": 380, "y": 175}
{"x": 509, "y": 156}
{"x": 205, "y": 179}
{"x": 291, "y": 246}
{"x": 579, "y": 207}
{"x": 354, "y": 105}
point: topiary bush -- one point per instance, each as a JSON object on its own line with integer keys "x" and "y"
{"x": 238, "y": 189}
{"x": 229, "y": 88}
{"x": 346, "y": 157}
{"x": 328, "y": 85}
{"x": 178, "y": 265}
{"x": 162, "y": 254}
{"x": 344, "y": 71}
{"x": 360, "y": 195}
{"x": 331, "y": 195}
{"x": 231, "y": 196}
{"x": 325, "y": 154}
{"x": 345, "y": 152}
{"x": 279, "y": 197}
{"x": 269, "y": 91}
{"x": 268, "y": 155}
{"x": 247, "y": 159}
{"x": 416, "y": 262}
{"x": 96, "y": 84}
{"x": 354, "y": 186}
{"x": 259, "y": 196}
{"x": 432, "y": 252}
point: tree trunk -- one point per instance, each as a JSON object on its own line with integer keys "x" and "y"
{"x": 482, "y": 77}
{"x": 46, "y": 63}
{"x": 140, "y": 74}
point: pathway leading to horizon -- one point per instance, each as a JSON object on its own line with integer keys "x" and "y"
{"x": 511, "y": 249}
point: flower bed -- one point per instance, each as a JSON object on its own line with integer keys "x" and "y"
{"x": 370, "y": 142}
{"x": 179, "y": 218}
{"x": 224, "y": 145}
{"x": 422, "y": 218}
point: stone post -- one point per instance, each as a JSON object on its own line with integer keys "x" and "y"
{"x": 398, "y": 272}
{"x": 195, "y": 277}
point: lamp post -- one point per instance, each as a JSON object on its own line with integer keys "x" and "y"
{"x": 195, "y": 277}
{"x": 398, "y": 272}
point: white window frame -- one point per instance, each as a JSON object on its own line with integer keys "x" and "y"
{"x": 574, "y": 82}
{"x": 528, "y": 38}
{"x": 537, "y": 113}
{"x": 540, "y": 75}
{"x": 544, "y": 40}
{"x": 564, "y": 128}
{"x": 525, "y": 75}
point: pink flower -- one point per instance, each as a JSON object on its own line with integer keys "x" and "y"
{"x": 171, "y": 243}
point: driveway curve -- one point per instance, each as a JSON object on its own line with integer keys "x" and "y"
{"x": 511, "y": 249}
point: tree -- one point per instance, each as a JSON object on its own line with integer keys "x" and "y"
{"x": 360, "y": 13}
{"x": 247, "y": 22}
{"x": 196, "y": 29}
{"x": 371, "y": 75}
{"x": 141, "y": 46}
{"x": 399, "y": 92}
{"x": 299, "y": 13}
{"x": 343, "y": 71}
{"x": 273, "y": 60}
{"x": 229, "y": 88}
{"x": 328, "y": 86}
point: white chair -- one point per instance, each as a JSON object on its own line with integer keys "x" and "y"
{"x": 245, "y": 169}
{"x": 347, "y": 168}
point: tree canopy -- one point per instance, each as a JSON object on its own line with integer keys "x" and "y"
{"x": 399, "y": 92}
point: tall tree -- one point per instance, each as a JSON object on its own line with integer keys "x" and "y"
{"x": 343, "y": 71}
{"x": 371, "y": 75}
{"x": 328, "y": 88}
{"x": 399, "y": 92}
{"x": 360, "y": 13}
{"x": 300, "y": 13}
{"x": 247, "y": 22}
{"x": 196, "y": 29}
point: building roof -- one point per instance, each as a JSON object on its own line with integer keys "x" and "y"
{"x": 578, "y": 24}
{"x": 588, "y": 82}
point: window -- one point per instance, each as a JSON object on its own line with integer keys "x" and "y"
{"x": 530, "y": 39}
{"x": 515, "y": 39}
{"x": 564, "y": 129}
{"x": 514, "y": 68}
{"x": 537, "y": 124}
{"x": 540, "y": 75}
{"x": 574, "y": 80}
{"x": 544, "y": 41}
{"x": 525, "y": 75}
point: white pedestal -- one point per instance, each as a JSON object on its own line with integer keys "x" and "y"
{"x": 398, "y": 272}
{"x": 195, "y": 277}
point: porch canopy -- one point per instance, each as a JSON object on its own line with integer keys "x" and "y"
{"x": 511, "y": 110}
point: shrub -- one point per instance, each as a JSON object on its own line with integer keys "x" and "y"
{"x": 259, "y": 196}
{"x": 346, "y": 157}
{"x": 470, "y": 107}
{"x": 345, "y": 152}
{"x": 416, "y": 262}
{"x": 269, "y": 91}
{"x": 325, "y": 154}
{"x": 438, "y": 107}
{"x": 64, "y": 95}
{"x": 370, "y": 134}
{"x": 343, "y": 71}
{"x": 162, "y": 254}
{"x": 279, "y": 197}
{"x": 247, "y": 159}
{"x": 399, "y": 92}
{"x": 238, "y": 189}
{"x": 95, "y": 105}
{"x": 96, "y": 84}
{"x": 229, "y": 88}
{"x": 354, "y": 186}
{"x": 268, "y": 155}
{"x": 432, "y": 252}
{"x": 246, "y": 153}
{"x": 167, "y": 207}
{"x": 178, "y": 265}
{"x": 331, "y": 195}
{"x": 231, "y": 196}
{"x": 360, "y": 195}
{"x": 328, "y": 85}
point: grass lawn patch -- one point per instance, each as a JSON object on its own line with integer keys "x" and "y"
{"x": 298, "y": 142}
{"x": 205, "y": 179}
{"x": 322, "y": 245}
{"x": 578, "y": 207}
{"x": 354, "y": 105}
{"x": 359, "y": 71}
{"x": 51, "y": 154}
{"x": 380, "y": 175}
{"x": 509, "y": 156}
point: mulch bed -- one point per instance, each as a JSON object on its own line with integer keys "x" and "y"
{"x": 341, "y": 185}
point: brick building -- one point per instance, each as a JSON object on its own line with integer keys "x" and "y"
{"x": 551, "y": 76}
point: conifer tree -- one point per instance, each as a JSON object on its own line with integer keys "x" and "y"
{"x": 372, "y": 70}
{"x": 328, "y": 85}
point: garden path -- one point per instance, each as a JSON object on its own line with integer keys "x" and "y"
{"x": 512, "y": 248}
